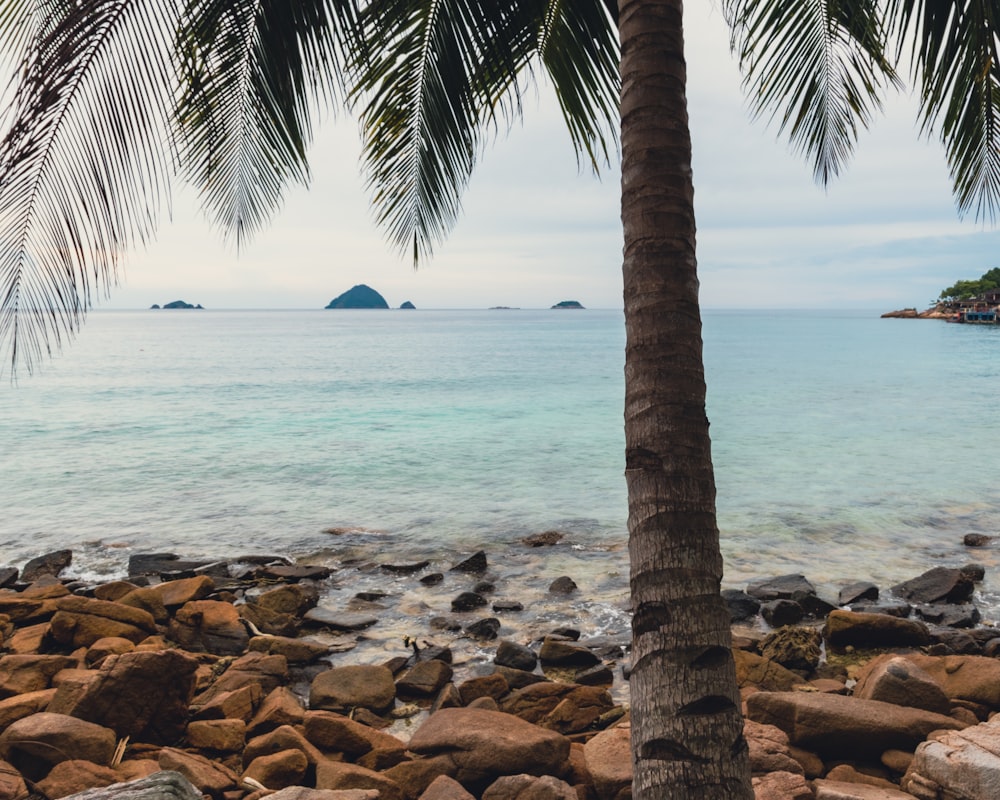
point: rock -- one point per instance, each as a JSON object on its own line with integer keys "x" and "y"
{"x": 557, "y": 651}
{"x": 894, "y": 679}
{"x": 784, "y": 587}
{"x": 281, "y": 739}
{"x": 769, "y": 750}
{"x": 12, "y": 785}
{"x": 529, "y": 787}
{"x": 476, "y": 563}
{"x": 339, "y": 620}
{"x": 77, "y": 775}
{"x": 973, "y": 678}
{"x": 839, "y": 790}
{"x": 839, "y": 726}
{"x": 339, "y": 734}
{"x": 781, "y": 786}
{"x": 609, "y": 760}
{"x": 238, "y": 704}
{"x": 562, "y": 707}
{"x": 211, "y": 777}
{"x": 445, "y": 788}
{"x": 281, "y": 707}
{"x": 20, "y": 674}
{"x": 102, "y": 648}
{"x": 406, "y": 305}
{"x": 220, "y": 735}
{"x": 964, "y": 765}
{"x": 495, "y": 686}
{"x": 407, "y": 569}
{"x": 293, "y": 572}
{"x": 296, "y": 650}
{"x": 976, "y": 540}
{"x": 295, "y": 599}
{"x": 862, "y": 629}
{"x": 567, "y": 304}
{"x": 253, "y": 668}
{"x": 267, "y": 621}
{"x": 80, "y": 621}
{"x": 359, "y": 296}
{"x": 858, "y": 592}
{"x": 543, "y": 539}
{"x": 305, "y": 793}
{"x": 337, "y": 775}
{"x": 977, "y": 572}
{"x": 467, "y": 601}
{"x": 794, "y": 648}
{"x": 278, "y": 770}
{"x": 742, "y": 607}
{"x": 479, "y": 746}
{"x": 940, "y": 584}
{"x": 161, "y": 563}
{"x": 143, "y": 695}
{"x": 425, "y": 678}
{"x": 753, "y": 670}
{"x": 781, "y": 612}
{"x": 562, "y": 585}
{"x": 34, "y": 743}
{"x": 953, "y": 616}
{"x": 485, "y": 630}
{"x": 49, "y": 564}
{"x": 510, "y": 654}
{"x": 24, "y": 705}
{"x": 345, "y": 688}
{"x": 210, "y": 626}
{"x": 163, "y": 785}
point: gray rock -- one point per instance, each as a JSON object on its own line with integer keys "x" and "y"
{"x": 467, "y": 601}
{"x": 939, "y": 584}
{"x": 484, "y": 629}
{"x": 783, "y": 587}
{"x": 49, "y": 564}
{"x": 517, "y": 656}
{"x": 339, "y": 620}
{"x": 163, "y": 785}
{"x": 781, "y": 612}
{"x": 858, "y": 592}
{"x": 964, "y": 765}
{"x": 475, "y": 563}
{"x": 562, "y": 585}
{"x": 742, "y": 607}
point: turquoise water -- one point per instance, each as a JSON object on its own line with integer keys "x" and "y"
{"x": 846, "y": 447}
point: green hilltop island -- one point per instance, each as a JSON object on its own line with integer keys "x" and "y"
{"x": 568, "y": 304}
{"x": 360, "y": 296}
{"x": 976, "y": 302}
{"x": 177, "y": 304}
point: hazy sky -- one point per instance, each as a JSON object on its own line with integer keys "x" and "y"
{"x": 537, "y": 230}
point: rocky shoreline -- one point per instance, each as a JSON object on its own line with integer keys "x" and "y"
{"x": 230, "y": 680}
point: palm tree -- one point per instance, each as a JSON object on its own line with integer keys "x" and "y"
{"x": 114, "y": 96}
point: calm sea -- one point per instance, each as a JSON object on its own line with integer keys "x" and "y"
{"x": 846, "y": 446}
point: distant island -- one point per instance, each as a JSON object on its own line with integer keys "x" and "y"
{"x": 176, "y": 304}
{"x": 504, "y": 308}
{"x": 956, "y": 303}
{"x": 408, "y": 305}
{"x": 568, "y": 304}
{"x": 360, "y": 296}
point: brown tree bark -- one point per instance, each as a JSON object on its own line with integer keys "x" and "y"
{"x": 687, "y": 729}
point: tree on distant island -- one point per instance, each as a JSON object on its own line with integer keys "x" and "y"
{"x": 966, "y": 290}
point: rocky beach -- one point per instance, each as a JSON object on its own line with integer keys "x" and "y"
{"x": 230, "y": 680}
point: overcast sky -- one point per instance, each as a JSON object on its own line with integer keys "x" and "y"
{"x": 537, "y": 230}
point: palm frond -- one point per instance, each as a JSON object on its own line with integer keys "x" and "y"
{"x": 816, "y": 65}
{"x": 253, "y": 72}
{"x": 444, "y": 75}
{"x": 955, "y": 63}
{"x": 84, "y": 164}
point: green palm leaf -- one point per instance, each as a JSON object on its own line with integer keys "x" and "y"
{"x": 818, "y": 66}
{"x": 83, "y": 165}
{"x": 956, "y": 64}
{"x": 253, "y": 72}
{"x": 444, "y": 74}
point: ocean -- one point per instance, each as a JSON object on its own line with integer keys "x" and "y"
{"x": 846, "y": 447}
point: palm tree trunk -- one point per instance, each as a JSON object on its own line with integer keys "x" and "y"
{"x": 687, "y": 729}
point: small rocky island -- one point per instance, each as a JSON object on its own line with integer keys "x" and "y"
{"x": 177, "y": 304}
{"x": 408, "y": 306}
{"x": 360, "y": 296}
{"x": 568, "y": 304}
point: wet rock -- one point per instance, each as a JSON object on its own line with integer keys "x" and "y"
{"x": 861, "y": 629}
{"x": 484, "y": 629}
{"x": 294, "y": 574}
{"x": 783, "y": 587}
{"x": 557, "y": 651}
{"x": 503, "y": 606}
{"x": 267, "y": 621}
{"x": 952, "y": 616}
{"x": 49, "y": 564}
{"x": 742, "y": 607}
{"x": 976, "y": 540}
{"x": 210, "y": 626}
{"x": 143, "y": 695}
{"x": 510, "y": 654}
{"x": 940, "y": 584}
{"x": 467, "y": 601}
{"x": 433, "y": 579}
{"x": 951, "y": 641}
{"x": 894, "y": 679}
{"x": 161, "y": 563}
{"x": 543, "y": 539}
{"x": 345, "y": 688}
{"x": 405, "y": 569}
{"x": 858, "y": 592}
{"x": 296, "y": 650}
{"x": 834, "y": 725}
{"x": 601, "y": 675}
{"x": 339, "y": 620}
{"x": 8, "y": 576}
{"x": 562, "y": 585}
{"x": 476, "y": 563}
{"x": 781, "y": 612}
{"x": 494, "y": 685}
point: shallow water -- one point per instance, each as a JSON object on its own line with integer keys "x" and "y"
{"x": 846, "y": 447}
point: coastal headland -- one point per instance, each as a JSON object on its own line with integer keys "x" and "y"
{"x": 257, "y": 677}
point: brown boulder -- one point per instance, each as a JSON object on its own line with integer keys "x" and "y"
{"x": 338, "y": 775}
{"x": 143, "y": 695}
{"x": 480, "y": 746}
{"x": 24, "y": 705}
{"x": 221, "y": 735}
{"x": 445, "y": 788}
{"x": 20, "y": 674}
{"x": 210, "y": 626}
{"x": 102, "y": 648}
{"x": 284, "y": 738}
{"x": 278, "y": 770}
{"x": 840, "y": 790}
{"x": 353, "y": 686}
{"x": 81, "y": 621}
{"x": 895, "y": 679}
{"x": 268, "y": 672}
{"x": 267, "y": 621}
{"x": 529, "y": 787}
{"x": 281, "y": 707}
{"x": 174, "y": 594}
{"x": 769, "y": 750}
{"x": 425, "y": 678}
{"x": 35, "y": 743}
{"x": 972, "y": 678}
{"x": 563, "y": 707}
{"x": 609, "y": 761}
{"x": 338, "y": 734}
{"x": 69, "y": 777}
{"x": 841, "y": 726}
{"x": 295, "y": 599}
{"x": 211, "y": 777}
{"x": 238, "y": 704}
{"x": 781, "y": 786}
{"x": 12, "y": 786}
{"x": 298, "y": 650}
{"x": 753, "y": 670}
{"x": 864, "y": 629}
